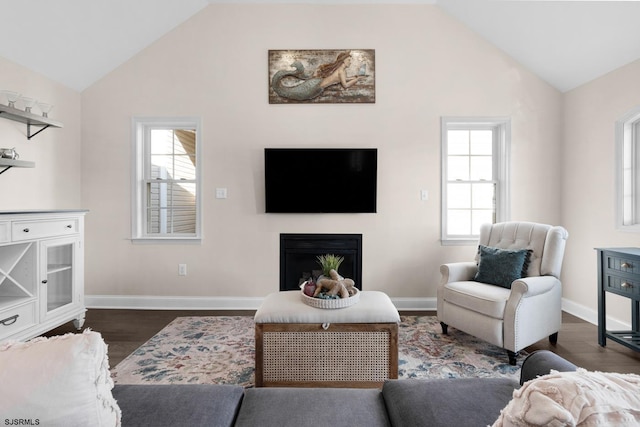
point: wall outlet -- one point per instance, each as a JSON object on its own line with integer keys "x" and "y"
{"x": 182, "y": 269}
{"x": 221, "y": 193}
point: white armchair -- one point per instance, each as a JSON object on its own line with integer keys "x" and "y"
{"x": 509, "y": 318}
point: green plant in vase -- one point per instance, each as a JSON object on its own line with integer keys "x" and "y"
{"x": 329, "y": 262}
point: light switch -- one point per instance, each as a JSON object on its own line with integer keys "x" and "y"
{"x": 424, "y": 195}
{"x": 221, "y": 193}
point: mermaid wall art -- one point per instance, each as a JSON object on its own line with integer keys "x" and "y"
{"x": 322, "y": 76}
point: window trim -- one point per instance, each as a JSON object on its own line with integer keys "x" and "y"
{"x": 139, "y": 126}
{"x": 627, "y": 130}
{"x": 501, "y": 164}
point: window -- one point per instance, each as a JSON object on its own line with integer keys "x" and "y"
{"x": 166, "y": 184}
{"x": 474, "y": 176}
{"x": 628, "y": 171}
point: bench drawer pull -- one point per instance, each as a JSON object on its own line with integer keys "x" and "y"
{"x": 9, "y": 320}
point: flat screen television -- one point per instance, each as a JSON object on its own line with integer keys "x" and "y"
{"x": 320, "y": 180}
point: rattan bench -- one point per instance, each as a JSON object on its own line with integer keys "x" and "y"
{"x": 302, "y": 346}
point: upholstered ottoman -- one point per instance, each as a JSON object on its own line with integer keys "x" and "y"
{"x": 302, "y": 346}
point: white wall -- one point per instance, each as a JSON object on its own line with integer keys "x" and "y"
{"x": 215, "y": 66}
{"x": 55, "y": 181}
{"x": 588, "y": 205}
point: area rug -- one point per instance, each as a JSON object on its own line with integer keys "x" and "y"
{"x": 220, "y": 350}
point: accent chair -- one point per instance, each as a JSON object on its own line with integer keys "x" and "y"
{"x": 511, "y": 294}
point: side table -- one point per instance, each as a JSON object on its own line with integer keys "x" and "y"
{"x": 619, "y": 273}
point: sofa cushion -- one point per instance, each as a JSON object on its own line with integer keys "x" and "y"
{"x": 173, "y": 405}
{"x": 281, "y": 407}
{"x": 501, "y": 266}
{"x": 575, "y": 398}
{"x": 446, "y": 402}
{"x": 58, "y": 381}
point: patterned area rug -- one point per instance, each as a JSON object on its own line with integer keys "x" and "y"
{"x": 220, "y": 350}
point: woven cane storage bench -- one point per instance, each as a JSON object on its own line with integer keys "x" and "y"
{"x": 302, "y": 346}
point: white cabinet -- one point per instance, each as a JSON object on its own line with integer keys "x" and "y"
{"x": 59, "y": 291}
{"x": 41, "y": 272}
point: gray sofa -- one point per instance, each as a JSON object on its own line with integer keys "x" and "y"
{"x": 410, "y": 402}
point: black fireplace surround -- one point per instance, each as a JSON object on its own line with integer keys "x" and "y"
{"x": 299, "y": 252}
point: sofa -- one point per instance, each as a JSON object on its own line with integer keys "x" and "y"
{"x": 65, "y": 381}
{"x": 405, "y": 402}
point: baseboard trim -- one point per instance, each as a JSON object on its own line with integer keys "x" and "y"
{"x": 417, "y": 304}
{"x": 590, "y": 315}
{"x": 144, "y": 302}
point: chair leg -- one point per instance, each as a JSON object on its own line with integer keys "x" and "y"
{"x": 444, "y": 327}
{"x": 553, "y": 338}
{"x": 512, "y": 357}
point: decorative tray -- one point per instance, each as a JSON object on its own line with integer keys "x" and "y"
{"x": 331, "y": 303}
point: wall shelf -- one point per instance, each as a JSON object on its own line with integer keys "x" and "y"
{"x": 6, "y": 164}
{"x": 29, "y": 119}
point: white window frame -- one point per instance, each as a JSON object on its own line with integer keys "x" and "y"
{"x": 500, "y": 159}
{"x": 627, "y": 181}
{"x": 141, "y": 127}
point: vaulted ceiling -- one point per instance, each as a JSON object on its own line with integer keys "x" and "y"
{"x": 76, "y": 42}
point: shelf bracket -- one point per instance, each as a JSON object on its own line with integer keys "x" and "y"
{"x": 29, "y": 119}
{"x": 6, "y": 168}
{"x": 31, "y": 135}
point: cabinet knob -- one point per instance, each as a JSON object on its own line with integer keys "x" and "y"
{"x": 26, "y": 230}
{"x": 626, "y": 265}
{"x": 626, "y": 285}
{"x": 69, "y": 226}
{"x": 44, "y": 282}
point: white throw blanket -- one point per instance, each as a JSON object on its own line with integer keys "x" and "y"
{"x": 580, "y": 398}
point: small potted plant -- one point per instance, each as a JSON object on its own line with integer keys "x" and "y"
{"x": 330, "y": 289}
{"x": 329, "y": 262}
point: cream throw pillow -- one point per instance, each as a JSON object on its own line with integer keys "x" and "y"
{"x": 580, "y": 398}
{"x": 57, "y": 381}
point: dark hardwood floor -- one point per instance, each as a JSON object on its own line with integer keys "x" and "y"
{"x": 126, "y": 330}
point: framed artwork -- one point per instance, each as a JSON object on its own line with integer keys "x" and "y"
{"x": 322, "y": 76}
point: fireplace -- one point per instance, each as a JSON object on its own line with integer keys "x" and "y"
{"x": 299, "y": 252}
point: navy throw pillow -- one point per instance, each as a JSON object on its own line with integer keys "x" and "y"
{"x": 501, "y": 266}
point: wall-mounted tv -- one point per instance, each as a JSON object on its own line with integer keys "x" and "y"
{"x": 320, "y": 180}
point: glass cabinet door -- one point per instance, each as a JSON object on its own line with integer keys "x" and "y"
{"x": 58, "y": 274}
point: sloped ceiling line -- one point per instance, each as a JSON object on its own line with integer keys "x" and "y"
{"x": 77, "y": 42}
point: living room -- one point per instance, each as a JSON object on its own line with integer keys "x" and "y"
{"x": 213, "y": 66}
{"x": 429, "y": 65}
